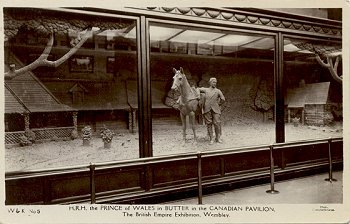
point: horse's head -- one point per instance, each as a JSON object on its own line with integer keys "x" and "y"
{"x": 178, "y": 78}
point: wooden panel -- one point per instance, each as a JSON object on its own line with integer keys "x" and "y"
{"x": 24, "y": 191}
{"x": 211, "y": 166}
{"x": 114, "y": 179}
{"x": 174, "y": 172}
{"x": 305, "y": 154}
{"x": 337, "y": 150}
{"x": 247, "y": 161}
{"x": 70, "y": 185}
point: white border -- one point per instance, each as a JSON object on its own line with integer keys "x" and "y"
{"x": 293, "y": 213}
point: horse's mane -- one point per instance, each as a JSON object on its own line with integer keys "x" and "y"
{"x": 192, "y": 88}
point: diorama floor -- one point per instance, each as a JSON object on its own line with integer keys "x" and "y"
{"x": 166, "y": 140}
{"x": 305, "y": 190}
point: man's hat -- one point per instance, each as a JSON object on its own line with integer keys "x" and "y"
{"x": 212, "y": 79}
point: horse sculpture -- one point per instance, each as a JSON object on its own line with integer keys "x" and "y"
{"x": 189, "y": 101}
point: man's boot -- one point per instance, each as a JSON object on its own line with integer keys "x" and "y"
{"x": 210, "y": 132}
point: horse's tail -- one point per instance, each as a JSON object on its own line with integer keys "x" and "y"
{"x": 199, "y": 111}
{"x": 199, "y": 97}
{"x": 201, "y": 102}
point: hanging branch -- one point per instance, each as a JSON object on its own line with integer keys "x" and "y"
{"x": 332, "y": 67}
{"x": 42, "y": 60}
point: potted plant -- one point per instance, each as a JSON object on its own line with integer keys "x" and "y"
{"x": 107, "y": 136}
{"x": 30, "y": 135}
{"x": 24, "y": 141}
{"x": 86, "y": 134}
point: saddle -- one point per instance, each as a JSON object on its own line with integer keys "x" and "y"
{"x": 200, "y": 97}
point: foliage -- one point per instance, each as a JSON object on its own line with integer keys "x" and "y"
{"x": 296, "y": 119}
{"x": 55, "y": 138}
{"x": 328, "y": 118}
{"x": 87, "y": 133}
{"x": 261, "y": 95}
{"x": 107, "y": 135}
{"x": 74, "y": 134}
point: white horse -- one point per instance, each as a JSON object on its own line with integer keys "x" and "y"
{"x": 189, "y": 101}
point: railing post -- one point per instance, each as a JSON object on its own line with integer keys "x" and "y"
{"x": 272, "y": 174}
{"x": 330, "y": 172}
{"x": 148, "y": 178}
{"x": 200, "y": 192}
{"x": 92, "y": 183}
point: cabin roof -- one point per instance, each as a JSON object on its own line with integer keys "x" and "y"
{"x": 31, "y": 92}
{"x": 12, "y": 103}
{"x": 314, "y": 93}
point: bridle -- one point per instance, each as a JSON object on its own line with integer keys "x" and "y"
{"x": 176, "y": 84}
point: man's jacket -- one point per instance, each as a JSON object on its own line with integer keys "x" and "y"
{"x": 212, "y": 99}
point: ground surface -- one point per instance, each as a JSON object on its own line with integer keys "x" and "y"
{"x": 305, "y": 190}
{"x": 166, "y": 141}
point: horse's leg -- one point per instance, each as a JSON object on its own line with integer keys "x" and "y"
{"x": 183, "y": 120}
{"x": 192, "y": 118}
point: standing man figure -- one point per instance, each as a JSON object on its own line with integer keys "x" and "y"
{"x": 212, "y": 110}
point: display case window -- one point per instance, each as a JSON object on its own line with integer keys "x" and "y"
{"x": 242, "y": 64}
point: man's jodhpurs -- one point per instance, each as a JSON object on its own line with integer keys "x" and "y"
{"x": 211, "y": 118}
